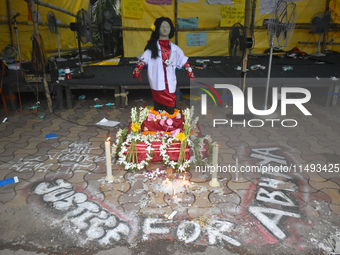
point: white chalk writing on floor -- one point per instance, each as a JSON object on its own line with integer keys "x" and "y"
{"x": 75, "y": 157}
{"x": 272, "y": 192}
{"x": 87, "y": 216}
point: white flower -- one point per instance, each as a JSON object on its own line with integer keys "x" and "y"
{"x": 119, "y": 134}
{"x": 134, "y": 114}
{"x": 181, "y": 168}
{"x": 123, "y": 158}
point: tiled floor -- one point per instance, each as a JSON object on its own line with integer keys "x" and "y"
{"x": 294, "y": 210}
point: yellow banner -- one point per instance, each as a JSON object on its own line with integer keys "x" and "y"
{"x": 132, "y": 9}
{"x": 231, "y": 15}
{"x": 216, "y": 15}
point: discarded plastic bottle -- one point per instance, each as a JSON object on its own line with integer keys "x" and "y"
{"x": 110, "y": 104}
{"x": 287, "y": 68}
{"x": 82, "y": 97}
{"x": 255, "y": 67}
{"x": 97, "y": 106}
{"x": 67, "y": 73}
{"x": 32, "y": 107}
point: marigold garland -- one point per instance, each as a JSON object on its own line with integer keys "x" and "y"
{"x": 165, "y": 113}
{"x": 153, "y": 133}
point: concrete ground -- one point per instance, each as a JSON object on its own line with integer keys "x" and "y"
{"x": 63, "y": 205}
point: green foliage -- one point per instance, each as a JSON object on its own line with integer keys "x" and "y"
{"x": 106, "y": 39}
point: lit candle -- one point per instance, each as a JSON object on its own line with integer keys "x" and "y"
{"x": 214, "y": 182}
{"x": 167, "y": 187}
{"x": 109, "y": 176}
{"x": 184, "y": 181}
{"x": 166, "y": 182}
{"x": 175, "y": 197}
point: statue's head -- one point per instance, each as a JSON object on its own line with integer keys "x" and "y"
{"x": 163, "y": 28}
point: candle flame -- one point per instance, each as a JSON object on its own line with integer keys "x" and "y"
{"x": 108, "y": 139}
{"x": 184, "y": 181}
{"x": 166, "y": 182}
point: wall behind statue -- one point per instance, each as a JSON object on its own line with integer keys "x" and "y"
{"x": 213, "y": 14}
{"x": 25, "y": 26}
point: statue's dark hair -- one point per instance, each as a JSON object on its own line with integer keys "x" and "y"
{"x": 152, "y": 43}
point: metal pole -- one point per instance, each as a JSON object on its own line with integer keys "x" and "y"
{"x": 176, "y": 23}
{"x": 80, "y": 54}
{"x": 269, "y": 69}
{"x": 58, "y": 44}
{"x": 51, "y": 6}
{"x": 324, "y": 42}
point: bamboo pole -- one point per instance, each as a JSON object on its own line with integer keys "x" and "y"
{"x": 252, "y": 25}
{"x": 36, "y": 33}
{"x": 9, "y": 22}
{"x": 303, "y": 26}
{"x": 30, "y": 23}
{"x": 247, "y": 22}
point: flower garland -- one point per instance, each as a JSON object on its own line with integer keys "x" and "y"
{"x": 181, "y": 166}
{"x": 184, "y": 137}
{"x": 130, "y": 161}
{"x": 199, "y": 148}
{"x": 120, "y": 137}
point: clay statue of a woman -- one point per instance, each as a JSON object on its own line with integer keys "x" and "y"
{"x": 162, "y": 58}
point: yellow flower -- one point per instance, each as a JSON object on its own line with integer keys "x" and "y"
{"x": 135, "y": 127}
{"x": 181, "y": 136}
{"x": 153, "y": 28}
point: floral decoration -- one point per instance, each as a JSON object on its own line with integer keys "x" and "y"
{"x": 135, "y": 127}
{"x": 181, "y": 136}
{"x": 125, "y": 148}
{"x": 130, "y": 160}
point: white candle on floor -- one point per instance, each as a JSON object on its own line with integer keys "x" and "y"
{"x": 214, "y": 182}
{"x": 109, "y": 176}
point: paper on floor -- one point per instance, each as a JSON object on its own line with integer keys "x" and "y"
{"x": 108, "y": 123}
